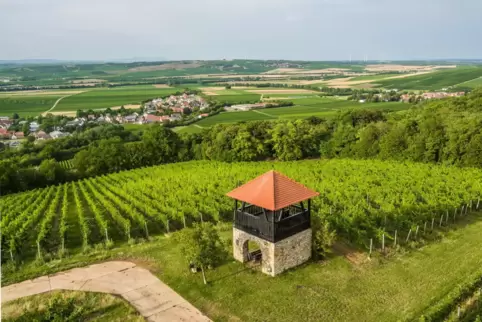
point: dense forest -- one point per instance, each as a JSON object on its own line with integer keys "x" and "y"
{"x": 446, "y": 131}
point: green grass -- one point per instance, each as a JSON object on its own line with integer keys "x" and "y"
{"x": 436, "y": 80}
{"x": 304, "y": 108}
{"x": 93, "y": 307}
{"x": 472, "y": 83}
{"x": 236, "y": 98}
{"x": 26, "y": 105}
{"x": 397, "y": 289}
{"x": 104, "y": 98}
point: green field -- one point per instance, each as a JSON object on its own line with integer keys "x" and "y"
{"x": 104, "y": 98}
{"x": 237, "y": 98}
{"x": 64, "y": 304}
{"x": 434, "y": 81}
{"x": 304, "y": 108}
{"x": 26, "y": 105}
{"x": 472, "y": 83}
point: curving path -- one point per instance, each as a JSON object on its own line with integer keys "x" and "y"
{"x": 152, "y": 298}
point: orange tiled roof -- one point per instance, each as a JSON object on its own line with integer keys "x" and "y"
{"x": 272, "y": 191}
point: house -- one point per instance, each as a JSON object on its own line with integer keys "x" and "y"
{"x": 149, "y": 118}
{"x": 177, "y": 110}
{"x": 175, "y": 117}
{"x": 405, "y": 98}
{"x": 4, "y": 118}
{"x": 203, "y": 115}
{"x": 15, "y": 144}
{"x": 18, "y": 135}
{"x": 130, "y": 118}
{"x": 4, "y": 133}
{"x": 34, "y": 126}
{"x": 58, "y": 134}
{"x": 41, "y": 135}
{"x": 101, "y": 119}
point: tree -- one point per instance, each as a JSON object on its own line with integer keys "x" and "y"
{"x": 15, "y": 116}
{"x": 26, "y": 129}
{"x": 323, "y": 236}
{"x": 201, "y": 246}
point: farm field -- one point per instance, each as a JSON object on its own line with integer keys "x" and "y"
{"x": 112, "y": 97}
{"x": 95, "y": 307}
{"x": 304, "y": 108}
{"x": 434, "y": 81}
{"x": 133, "y": 204}
{"x": 30, "y": 103}
{"x": 472, "y": 83}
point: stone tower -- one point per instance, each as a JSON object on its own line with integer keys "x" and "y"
{"x": 275, "y": 214}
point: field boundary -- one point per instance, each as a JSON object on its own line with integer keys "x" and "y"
{"x": 138, "y": 286}
{"x": 273, "y": 116}
{"x": 57, "y": 102}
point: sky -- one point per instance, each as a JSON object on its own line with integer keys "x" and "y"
{"x": 229, "y": 29}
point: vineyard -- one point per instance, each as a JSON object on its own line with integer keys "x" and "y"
{"x": 66, "y": 164}
{"x": 361, "y": 200}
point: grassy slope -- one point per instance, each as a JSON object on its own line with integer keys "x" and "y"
{"x": 96, "y": 306}
{"x": 334, "y": 290}
{"x": 104, "y": 98}
{"x": 434, "y": 81}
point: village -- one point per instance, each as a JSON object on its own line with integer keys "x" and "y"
{"x": 159, "y": 110}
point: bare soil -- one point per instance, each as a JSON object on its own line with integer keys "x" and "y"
{"x": 161, "y": 86}
{"x": 404, "y": 68}
{"x": 88, "y": 81}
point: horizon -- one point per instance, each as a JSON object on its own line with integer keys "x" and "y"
{"x": 305, "y": 30}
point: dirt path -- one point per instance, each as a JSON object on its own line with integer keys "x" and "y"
{"x": 259, "y": 112}
{"x": 55, "y": 104}
{"x": 152, "y": 298}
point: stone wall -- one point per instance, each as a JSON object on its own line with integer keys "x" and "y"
{"x": 276, "y": 257}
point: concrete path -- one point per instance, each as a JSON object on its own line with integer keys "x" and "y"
{"x": 151, "y": 297}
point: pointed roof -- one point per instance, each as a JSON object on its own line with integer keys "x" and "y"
{"x": 272, "y": 191}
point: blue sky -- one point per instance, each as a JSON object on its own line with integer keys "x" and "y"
{"x": 262, "y": 29}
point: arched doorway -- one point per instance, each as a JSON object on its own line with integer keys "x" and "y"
{"x": 252, "y": 251}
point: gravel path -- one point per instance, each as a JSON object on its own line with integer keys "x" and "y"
{"x": 151, "y": 297}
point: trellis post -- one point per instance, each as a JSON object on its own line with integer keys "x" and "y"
{"x": 383, "y": 242}
{"x": 395, "y": 239}
{"x": 408, "y": 236}
{"x": 433, "y": 220}
{"x": 416, "y": 232}
{"x": 371, "y": 247}
{"x": 424, "y": 227}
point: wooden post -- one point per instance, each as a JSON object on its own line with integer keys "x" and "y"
{"x": 63, "y": 245}
{"x": 11, "y": 255}
{"x": 455, "y": 213}
{"x": 478, "y": 202}
{"x": 441, "y": 219}
{"x": 470, "y": 202}
{"x": 433, "y": 220}
{"x": 201, "y": 215}
{"x": 371, "y": 247}
{"x": 167, "y": 225}
{"x": 467, "y": 209}
{"x": 424, "y": 228}
{"x": 184, "y": 220}
{"x": 106, "y": 235}
{"x": 447, "y": 218}
{"x": 458, "y": 312}
{"x": 383, "y": 242}
{"x": 145, "y": 227}
{"x": 408, "y": 236}
{"x": 395, "y": 239}
{"x": 38, "y": 250}
{"x": 462, "y": 211}
{"x": 416, "y": 232}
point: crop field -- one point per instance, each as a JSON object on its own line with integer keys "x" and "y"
{"x": 374, "y": 77}
{"x": 434, "y": 81}
{"x": 472, "y": 83}
{"x": 26, "y": 105}
{"x": 236, "y": 98}
{"x": 139, "y": 203}
{"x": 304, "y": 108}
{"x": 104, "y": 98}
{"x": 66, "y": 164}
